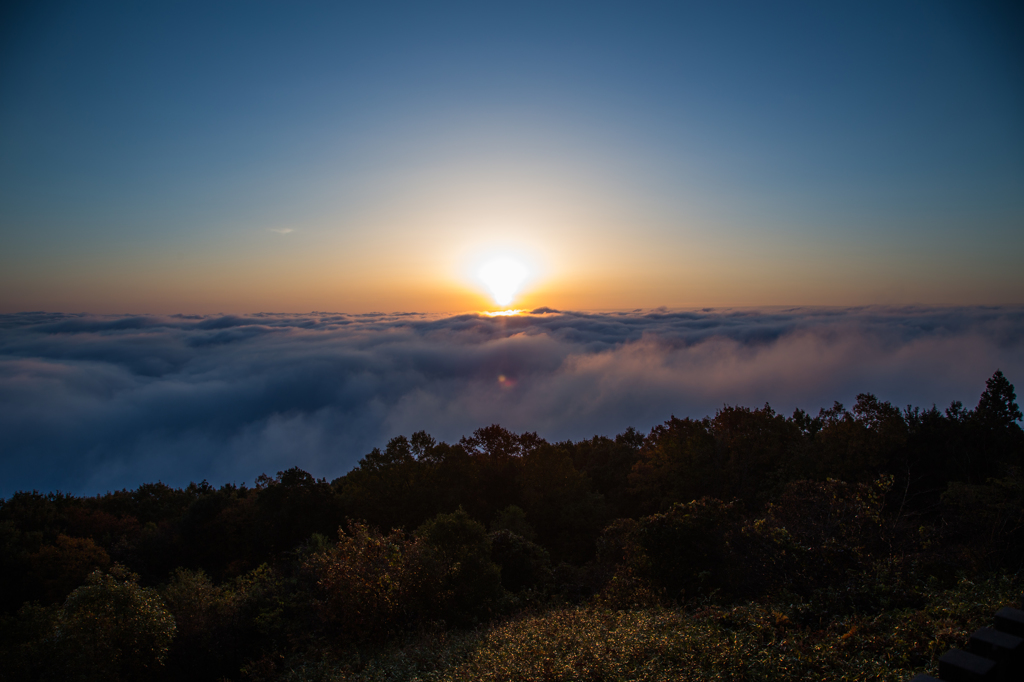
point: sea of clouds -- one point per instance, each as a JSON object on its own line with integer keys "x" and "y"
{"x": 92, "y": 403}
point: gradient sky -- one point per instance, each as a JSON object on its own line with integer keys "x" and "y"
{"x": 203, "y": 157}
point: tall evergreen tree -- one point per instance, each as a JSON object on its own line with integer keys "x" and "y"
{"x": 998, "y": 408}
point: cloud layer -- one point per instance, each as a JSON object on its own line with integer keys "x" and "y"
{"x": 92, "y": 403}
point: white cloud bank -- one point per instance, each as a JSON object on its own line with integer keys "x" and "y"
{"x": 91, "y": 403}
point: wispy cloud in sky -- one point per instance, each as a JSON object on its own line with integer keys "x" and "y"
{"x": 90, "y": 403}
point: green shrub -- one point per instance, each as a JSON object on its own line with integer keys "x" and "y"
{"x": 524, "y": 564}
{"x": 112, "y": 629}
{"x": 470, "y": 583}
{"x": 684, "y": 553}
{"x": 369, "y": 585}
{"x": 513, "y": 519}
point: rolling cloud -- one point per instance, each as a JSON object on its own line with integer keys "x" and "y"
{"x": 91, "y": 403}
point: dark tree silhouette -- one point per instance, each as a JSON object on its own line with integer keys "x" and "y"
{"x": 997, "y": 408}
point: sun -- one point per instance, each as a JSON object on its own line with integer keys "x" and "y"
{"x": 503, "y": 276}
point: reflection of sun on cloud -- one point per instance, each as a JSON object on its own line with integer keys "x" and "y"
{"x": 504, "y": 313}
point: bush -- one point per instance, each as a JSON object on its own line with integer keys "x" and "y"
{"x": 513, "y": 518}
{"x": 682, "y": 553}
{"x": 112, "y": 629}
{"x": 64, "y": 565}
{"x": 524, "y": 564}
{"x": 200, "y": 613}
{"x": 369, "y": 585}
{"x": 470, "y": 583}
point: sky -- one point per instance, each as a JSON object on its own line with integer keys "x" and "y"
{"x": 237, "y": 237}
{"x": 244, "y": 157}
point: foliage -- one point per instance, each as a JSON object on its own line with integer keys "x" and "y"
{"x": 988, "y": 520}
{"x": 111, "y": 628}
{"x": 560, "y": 503}
{"x": 744, "y": 545}
{"x": 997, "y": 408}
{"x": 222, "y": 627}
{"x": 743, "y": 642}
{"x": 369, "y": 585}
{"x": 62, "y": 566}
{"x": 687, "y": 550}
{"x": 469, "y": 582}
{"x": 199, "y": 611}
{"x": 524, "y": 564}
{"x": 513, "y": 519}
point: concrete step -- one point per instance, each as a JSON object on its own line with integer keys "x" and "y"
{"x": 1011, "y": 620}
{"x": 957, "y": 665}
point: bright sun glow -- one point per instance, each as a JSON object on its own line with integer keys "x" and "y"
{"x": 503, "y": 276}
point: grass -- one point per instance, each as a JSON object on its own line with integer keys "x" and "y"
{"x": 739, "y": 643}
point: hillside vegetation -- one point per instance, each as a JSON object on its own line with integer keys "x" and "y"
{"x": 853, "y": 544}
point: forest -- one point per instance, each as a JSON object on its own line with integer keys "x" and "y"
{"x": 855, "y": 543}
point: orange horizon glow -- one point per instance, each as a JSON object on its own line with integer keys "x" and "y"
{"x": 316, "y": 272}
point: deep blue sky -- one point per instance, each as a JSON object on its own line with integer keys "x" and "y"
{"x": 241, "y": 156}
